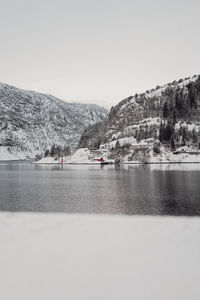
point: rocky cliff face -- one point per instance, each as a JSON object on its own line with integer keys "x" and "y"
{"x": 31, "y": 122}
{"x": 165, "y": 116}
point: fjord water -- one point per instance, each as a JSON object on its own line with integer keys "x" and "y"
{"x": 132, "y": 190}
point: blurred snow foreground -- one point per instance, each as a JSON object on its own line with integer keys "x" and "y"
{"x": 90, "y": 257}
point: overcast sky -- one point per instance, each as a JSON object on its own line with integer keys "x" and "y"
{"x": 98, "y": 51}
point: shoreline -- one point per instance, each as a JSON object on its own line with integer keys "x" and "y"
{"x": 124, "y": 163}
{"x": 99, "y": 164}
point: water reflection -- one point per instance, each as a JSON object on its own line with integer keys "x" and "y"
{"x": 132, "y": 189}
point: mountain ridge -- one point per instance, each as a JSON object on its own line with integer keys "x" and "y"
{"x": 31, "y": 122}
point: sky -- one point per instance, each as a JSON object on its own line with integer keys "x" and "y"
{"x": 97, "y": 51}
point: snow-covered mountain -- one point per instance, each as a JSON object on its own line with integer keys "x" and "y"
{"x": 151, "y": 125}
{"x": 32, "y": 122}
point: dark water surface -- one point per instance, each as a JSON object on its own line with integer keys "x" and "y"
{"x": 142, "y": 189}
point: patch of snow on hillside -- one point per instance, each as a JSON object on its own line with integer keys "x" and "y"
{"x": 6, "y": 155}
{"x": 190, "y": 127}
{"x": 122, "y": 141}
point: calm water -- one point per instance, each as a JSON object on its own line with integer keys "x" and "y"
{"x": 160, "y": 190}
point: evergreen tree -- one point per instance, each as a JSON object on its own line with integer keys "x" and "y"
{"x": 194, "y": 137}
{"x": 117, "y": 145}
{"x": 46, "y": 153}
{"x": 52, "y": 151}
{"x": 183, "y": 136}
{"x": 165, "y": 110}
{"x": 161, "y": 131}
{"x": 169, "y": 130}
{"x": 172, "y": 143}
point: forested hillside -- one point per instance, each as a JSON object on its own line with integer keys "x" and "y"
{"x": 167, "y": 116}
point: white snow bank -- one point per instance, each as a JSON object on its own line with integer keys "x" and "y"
{"x": 190, "y": 127}
{"x": 6, "y": 155}
{"x": 122, "y": 141}
{"x": 169, "y": 157}
{"x": 81, "y": 156}
{"x": 89, "y": 257}
{"x": 48, "y": 160}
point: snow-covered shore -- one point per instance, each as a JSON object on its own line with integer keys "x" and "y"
{"x": 84, "y": 156}
{"x": 81, "y": 156}
{"x": 76, "y": 257}
{"x": 5, "y": 155}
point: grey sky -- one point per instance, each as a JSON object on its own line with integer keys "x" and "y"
{"x": 98, "y": 51}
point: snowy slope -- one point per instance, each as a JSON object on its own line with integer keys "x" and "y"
{"x": 31, "y": 122}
